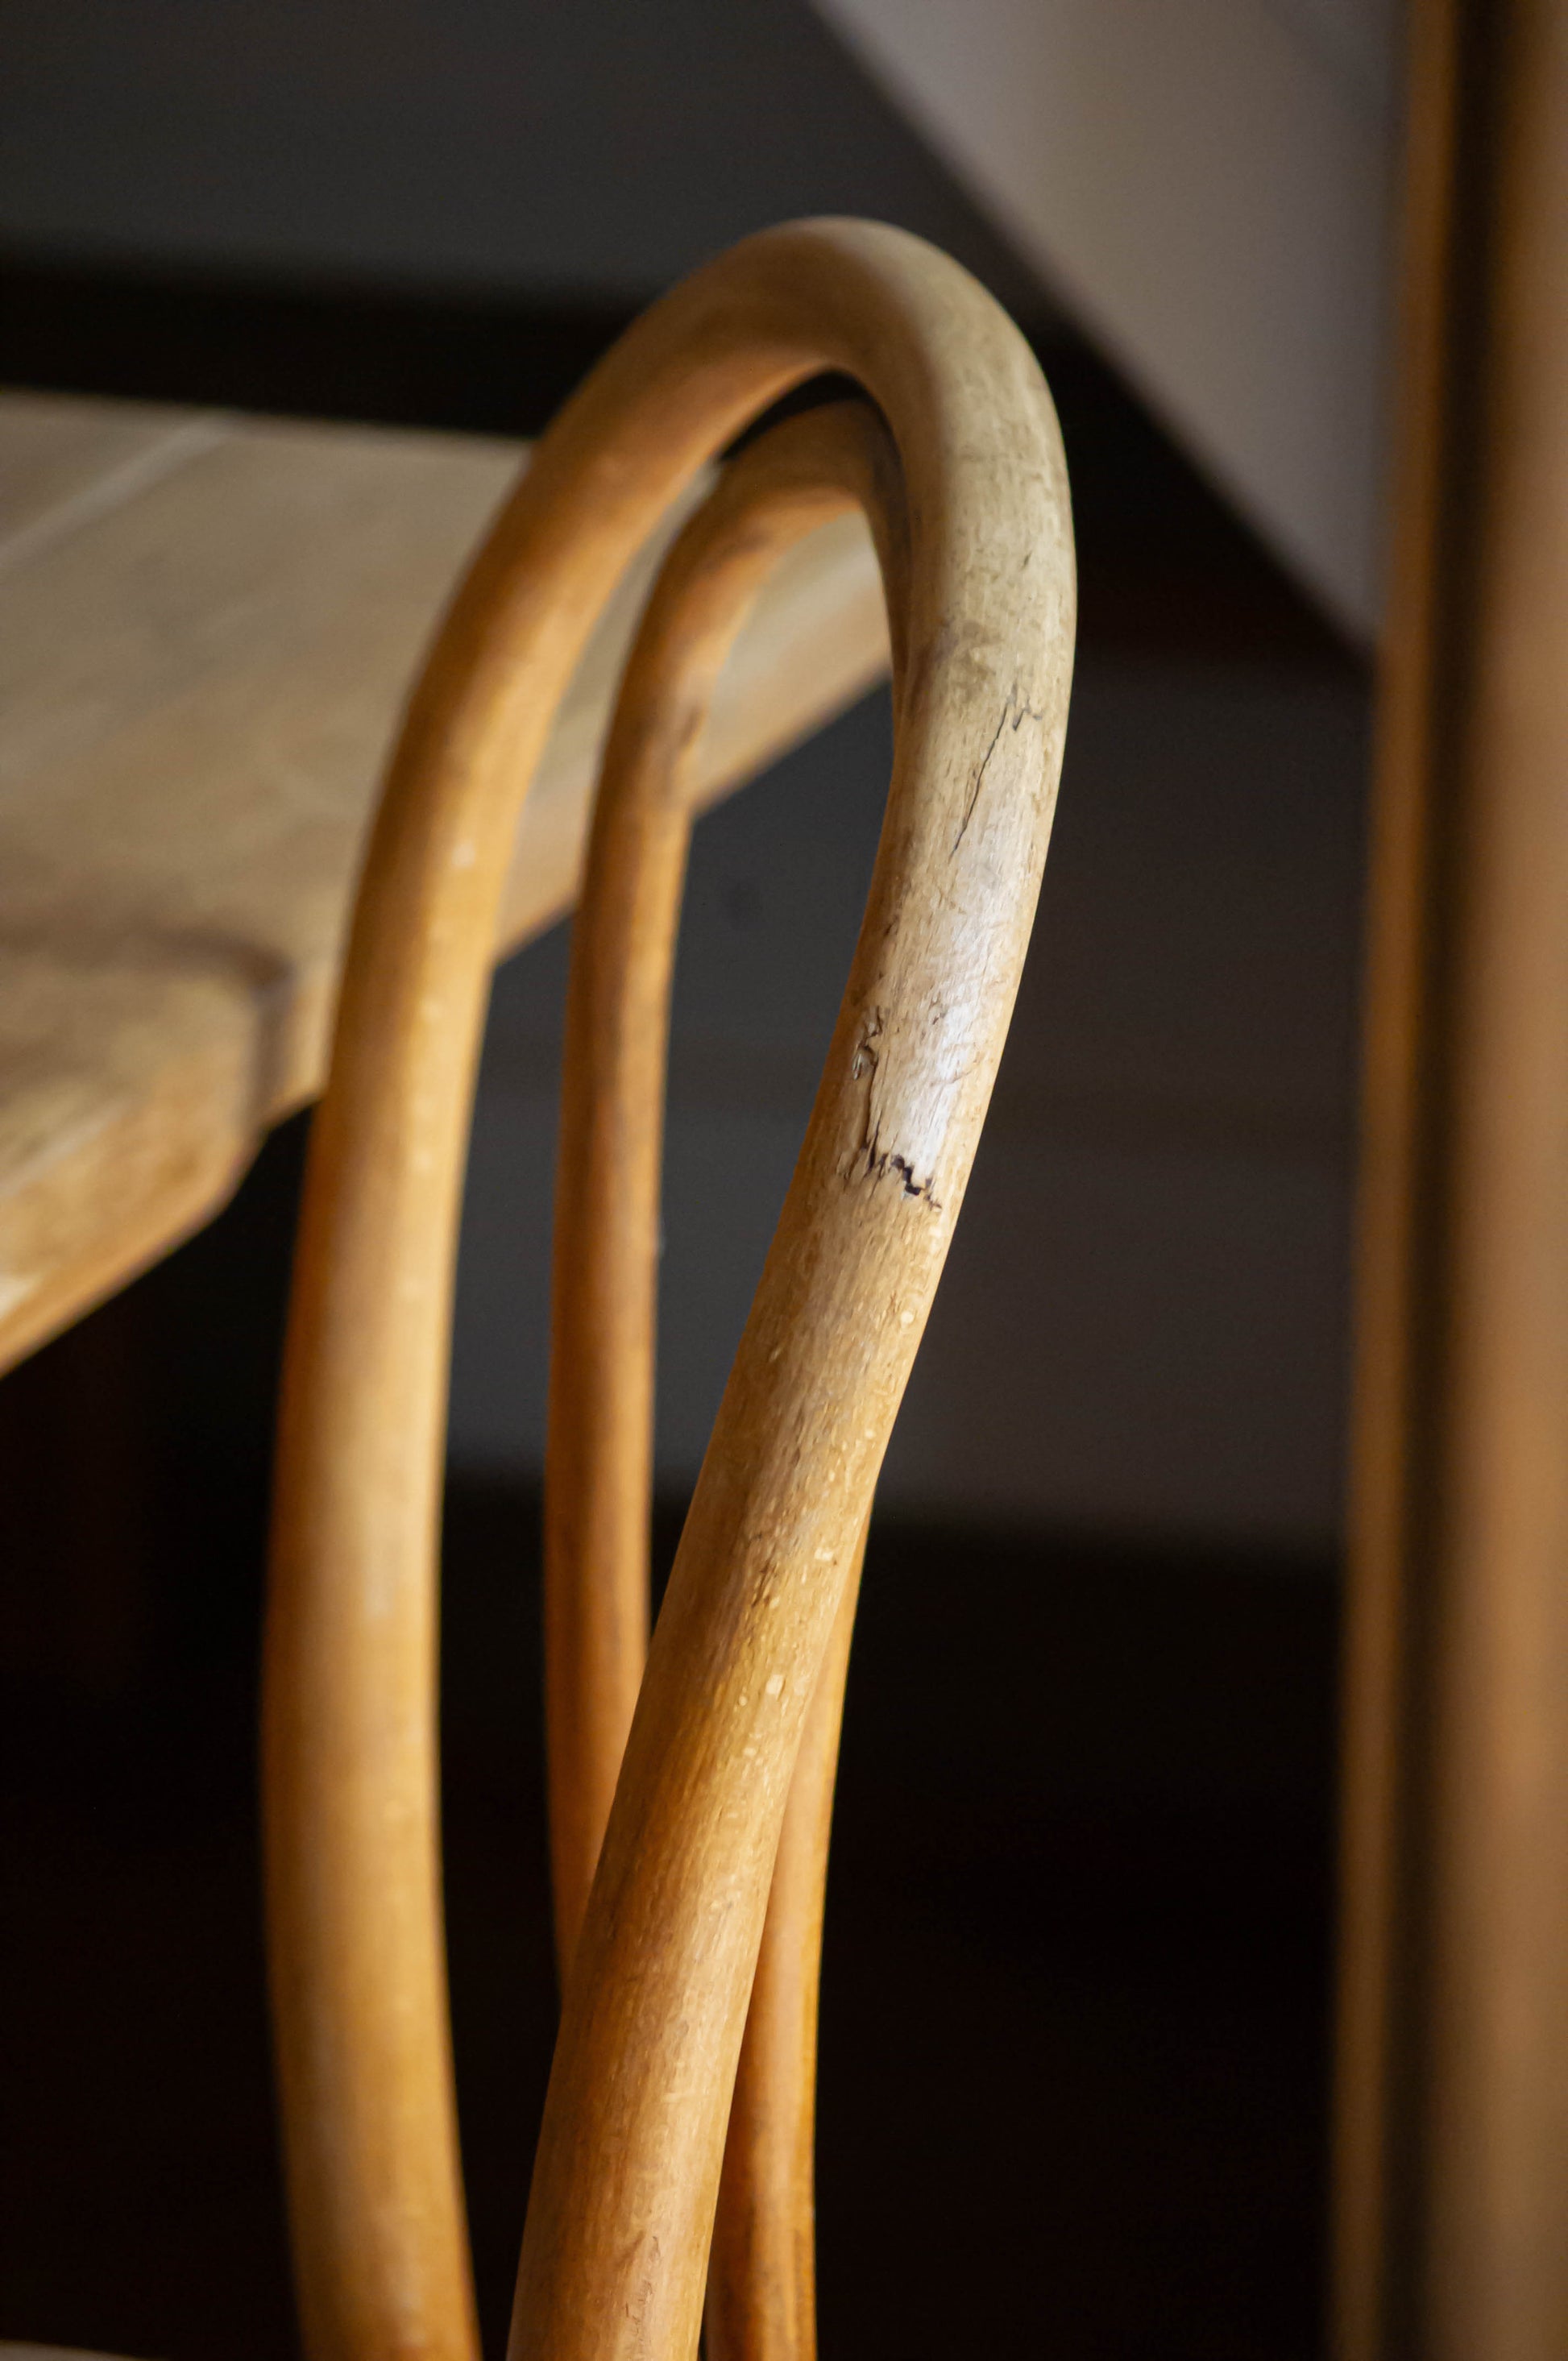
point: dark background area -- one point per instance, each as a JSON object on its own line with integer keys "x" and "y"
{"x": 1075, "y": 2007}
{"x": 1074, "y": 2018}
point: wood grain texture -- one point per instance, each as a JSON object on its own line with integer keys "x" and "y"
{"x": 207, "y": 625}
{"x": 762, "y": 2273}
{"x": 1451, "y": 2167}
{"x": 598, "y": 1466}
{"x": 626, "y": 2179}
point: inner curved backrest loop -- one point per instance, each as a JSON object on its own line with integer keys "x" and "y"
{"x": 598, "y": 1496}
{"x": 350, "y": 1784}
{"x": 627, "y": 2166}
{"x": 598, "y": 1482}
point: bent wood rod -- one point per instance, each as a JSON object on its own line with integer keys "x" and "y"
{"x": 597, "y": 1494}
{"x": 615, "y": 2246}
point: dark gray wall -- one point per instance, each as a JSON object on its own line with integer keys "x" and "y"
{"x": 1142, "y": 1327}
{"x": 594, "y": 150}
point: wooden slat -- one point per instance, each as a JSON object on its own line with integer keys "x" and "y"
{"x": 206, "y": 626}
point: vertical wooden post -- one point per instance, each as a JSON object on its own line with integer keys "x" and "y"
{"x": 1451, "y": 2167}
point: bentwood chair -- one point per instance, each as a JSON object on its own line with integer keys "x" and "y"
{"x": 689, "y": 1791}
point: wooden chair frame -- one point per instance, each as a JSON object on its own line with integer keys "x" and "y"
{"x": 598, "y": 1493}
{"x": 964, "y": 481}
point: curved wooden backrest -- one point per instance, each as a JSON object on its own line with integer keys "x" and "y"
{"x": 597, "y": 1489}
{"x": 964, "y": 481}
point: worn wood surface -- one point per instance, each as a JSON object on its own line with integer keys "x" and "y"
{"x": 1452, "y": 2168}
{"x": 207, "y": 625}
{"x": 615, "y": 2247}
{"x": 598, "y": 1488}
